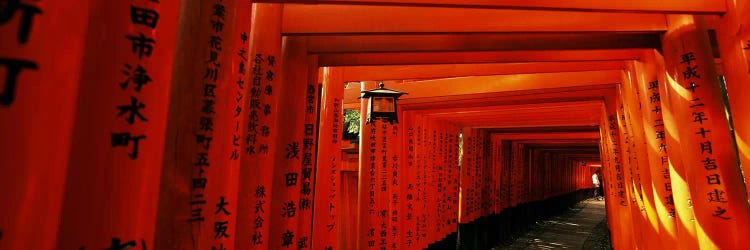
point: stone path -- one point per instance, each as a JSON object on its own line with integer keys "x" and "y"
{"x": 582, "y": 227}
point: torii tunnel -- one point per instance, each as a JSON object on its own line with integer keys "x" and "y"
{"x": 219, "y": 124}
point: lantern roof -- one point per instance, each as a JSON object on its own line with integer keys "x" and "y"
{"x": 382, "y": 91}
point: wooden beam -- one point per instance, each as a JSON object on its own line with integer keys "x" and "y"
{"x": 506, "y": 83}
{"x": 644, "y": 6}
{"x": 557, "y": 135}
{"x": 481, "y": 42}
{"x": 417, "y": 72}
{"x": 517, "y": 108}
{"x": 359, "y": 19}
{"x": 463, "y": 86}
{"x": 567, "y": 94}
{"x": 559, "y": 144}
{"x": 558, "y": 114}
{"x": 414, "y": 58}
{"x": 549, "y": 130}
{"x": 524, "y": 123}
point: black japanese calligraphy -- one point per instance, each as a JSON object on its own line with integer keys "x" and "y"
{"x": 132, "y": 110}
{"x": 14, "y": 68}
{"x": 287, "y": 238}
{"x": 142, "y": 16}
{"x": 124, "y": 139}
{"x": 141, "y": 45}
{"x": 137, "y": 76}
{"x": 28, "y": 12}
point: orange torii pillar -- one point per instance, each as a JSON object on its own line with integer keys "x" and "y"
{"x": 372, "y": 201}
{"x": 326, "y": 227}
{"x": 453, "y": 177}
{"x": 258, "y": 145}
{"x": 515, "y": 169}
{"x": 291, "y": 199}
{"x": 733, "y": 33}
{"x": 198, "y": 190}
{"x": 470, "y": 177}
{"x": 421, "y": 184}
{"x": 309, "y": 156}
{"x": 505, "y": 188}
{"x": 719, "y": 198}
{"x": 686, "y": 234}
{"x": 437, "y": 167}
{"x": 631, "y": 98}
{"x": 534, "y": 165}
{"x": 620, "y": 210}
{"x": 447, "y": 179}
{"x": 607, "y": 172}
{"x": 611, "y": 184}
{"x": 632, "y": 183}
{"x": 391, "y": 175}
{"x": 496, "y": 155}
{"x": 120, "y": 119}
{"x": 38, "y": 94}
{"x": 241, "y": 59}
{"x": 654, "y": 136}
{"x": 465, "y": 177}
{"x": 410, "y": 183}
{"x": 628, "y": 164}
{"x": 430, "y": 179}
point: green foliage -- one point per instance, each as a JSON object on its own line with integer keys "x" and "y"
{"x": 351, "y": 121}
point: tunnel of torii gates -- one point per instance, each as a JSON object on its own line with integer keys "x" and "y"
{"x": 217, "y": 124}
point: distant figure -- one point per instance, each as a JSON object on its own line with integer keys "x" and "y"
{"x": 597, "y": 184}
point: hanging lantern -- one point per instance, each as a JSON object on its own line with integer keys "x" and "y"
{"x": 382, "y": 104}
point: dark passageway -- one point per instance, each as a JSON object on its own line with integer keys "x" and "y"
{"x": 227, "y": 124}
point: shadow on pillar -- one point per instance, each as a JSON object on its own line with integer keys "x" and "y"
{"x": 502, "y": 229}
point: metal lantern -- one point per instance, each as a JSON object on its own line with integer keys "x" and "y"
{"x": 382, "y": 104}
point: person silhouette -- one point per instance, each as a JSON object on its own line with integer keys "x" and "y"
{"x": 596, "y": 180}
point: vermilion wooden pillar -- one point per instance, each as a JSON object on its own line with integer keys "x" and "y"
{"x": 513, "y": 179}
{"x": 240, "y": 79}
{"x": 421, "y": 185}
{"x": 430, "y": 183}
{"x": 409, "y": 190}
{"x": 451, "y": 178}
{"x": 393, "y": 171}
{"x": 435, "y": 198}
{"x": 309, "y": 156}
{"x": 465, "y": 177}
{"x": 326, "y": 227}
{"x": 496, "y": 162}
{"x": 639, "y": 157}
{"x": 258, "y": 145}
{"x": 197, "y": 195}
{"x": 295, "y": 142}
{"x": 118, "y": 133}
{"x": 38, "y": 94}
{"x": 621, "y": 200}
{"x": 470, "y": 177}
{"x": 734, "y": 47}
{"x": 612, "y": 184}
{"x": 453, "y": 132}
{"x": 367, "y": 200}
{"x": 629, "y": 170}
{"x": 686, "y": 234}
{"x": 608, "y": 172}
{"x": 655, "y": 146}
{"x": 719, "y": 196}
